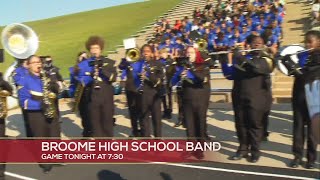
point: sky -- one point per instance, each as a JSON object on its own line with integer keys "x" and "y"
{"x": 18, "y": 11}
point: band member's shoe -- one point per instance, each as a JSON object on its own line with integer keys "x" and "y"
{"x": 60, "y": 164}
{"x": 310, "y": 165}
{"x": 238, "y": 156}
{"x": 87, "y": 133}
{"x": 207, "y": 137}
{"x": 46, "y": 168}
{"x": 167, "y": 114}
{"x": 114, "y": 121}
{"x": 265, "y": 138}
{"x": 198, "y": 154}
{"x": 295, "y": 162}
{"x": 136, "y": 134}
{"x": 179, "y": 123}
{"x": 254, "y": 158}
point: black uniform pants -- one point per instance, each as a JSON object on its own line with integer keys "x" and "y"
{"x": 84, "y": 114}
{"x": 249, "y": 125}
{"x": 151, "y": 105}
{"x": 167, "y": 101}
{"x": 266, "y": 123}
{"x": 134, "y": 106}
{"x": 2, "y": 127}
{"x": 26, "y": 123}
{"x": 42, "y": 127}
{"x": 266, "y": 115}
{"x": 195, "y": 106}
{"x": 180, "y": 107}
{"x": 2, "y": 134}
{"x": 300, "y": 119}
{"x": 101, "y": 109}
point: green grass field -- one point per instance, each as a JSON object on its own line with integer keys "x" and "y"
{"x": 64, "y": 36}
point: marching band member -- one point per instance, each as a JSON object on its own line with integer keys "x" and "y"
{"x": 52, "y": 71}
{"x": 130, "y": 74}
{"x": 250, "y": 95}
{"x": 7, "y": 89}
{"x": 98, "y": 75}
{"x": 18, "y": 76}
{"x": 74, "y": 84}
{"x": 310, "y": 71}
{"x": 152, "y": 76}
{"x": 54, "y": 75}
{"x": 35, "y": 98}
{"x": 194, "y": 76}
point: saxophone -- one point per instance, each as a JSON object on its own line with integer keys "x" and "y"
{"x": 49, "y": 98}
{"x": 3, "y": 103}
{"x": 77, "y": 97}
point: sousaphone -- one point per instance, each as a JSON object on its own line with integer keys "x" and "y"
{"x": 20, "y": 41}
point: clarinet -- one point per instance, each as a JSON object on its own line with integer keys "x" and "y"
{"x": 97, "y": 67}
{"x": 188, "y": 66}
{"x": 142, "y": 78}
{"x": 146, "y": 69}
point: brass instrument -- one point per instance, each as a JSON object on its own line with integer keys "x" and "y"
{"x": 290, "y": 65}
{"x": 49, "y": 98}
{"x": 20, "y": 41}
{"x": 77, "y": 97}
{"x": 202, "y": 45}
{"x": 3, "y": 103}
{"x": 133, "y": 55}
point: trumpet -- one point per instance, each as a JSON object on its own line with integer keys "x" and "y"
{"x": 202, "y": 45}
{"x": 133, "y": 55}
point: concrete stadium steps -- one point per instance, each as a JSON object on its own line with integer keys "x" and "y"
{"x": 283, "y": 85}
{"x": 296, "y": 23}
